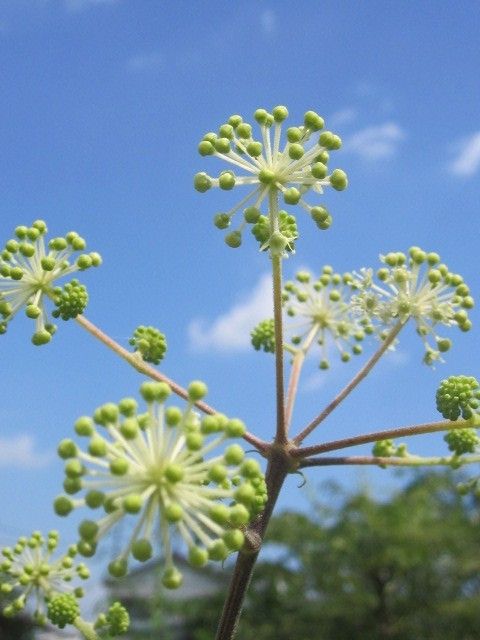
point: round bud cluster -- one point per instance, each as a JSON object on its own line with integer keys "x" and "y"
{"x": 323, "y": 314}
{"x": 458, "y": 396}
{"x": 27, "y": 570}
{"x": 281, "y": 241}
{"x": 150, "y": 343}
{"x": 388, "y": 449}
{"x": 70, "y": 300}
{"x": 263, "y": 336}
{"x": 462, "y": 441}
{"x": 155, "y": 466}
{"x": 63, "y": 609}
{"x": 271, "y": 168}
{"x": 115, "y": 622}
{"x": 29, "y": 268}
{"x": 416, "y": 285}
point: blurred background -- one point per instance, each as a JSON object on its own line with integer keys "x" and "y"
{"x": 102, "y": 105}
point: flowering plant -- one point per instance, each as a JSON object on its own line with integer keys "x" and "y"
{"x": 173, "y": 471}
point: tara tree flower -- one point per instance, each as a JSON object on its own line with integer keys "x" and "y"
{"x": 321, "y": 312}
{"x": 417, "y": 286}
{"x": 150, "y": 343}
{"x": 28, "y": 572}
{"x": 458, "y": 396}
{"x": 271, "y": 168}
{"x": 155, "y": 466}
{"x": 28, "y": 272}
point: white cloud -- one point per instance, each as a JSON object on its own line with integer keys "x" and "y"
{"x": 231, "y": 331}
{"x": 467, "y": 161}
{"x": 342, "y": 117}
{"x": 268, "y": 22}
{"x": 145, "y": 61}
{"x": 376, "y": 142}
{"x": 19, "y": 451}
{"x": 78, "y": 5}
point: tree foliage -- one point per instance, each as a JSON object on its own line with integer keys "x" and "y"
{"x": 403, "y": 568}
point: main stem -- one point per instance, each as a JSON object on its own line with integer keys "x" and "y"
{"x": 364, "y": 371}
{"x": 278, "y": 463}
{"x": 281, "y": 431}
{"x": 275, "y": 475}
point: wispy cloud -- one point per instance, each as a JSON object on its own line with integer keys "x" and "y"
{"x": 467, "y": 161}
{"x": 342, "y": 117}
{"x": 268, "y": 22}
{"x": 78, "y": 5}
{"x": 230, "y": 332}
{"x": 377, "y": 142}
{"x": 19, "y": 452}
{"x": 151, "y": 61}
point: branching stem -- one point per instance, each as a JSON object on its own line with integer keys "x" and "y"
{"x": 295, "y": 372}
{"x": 143, "y": 367}
{"x": 407, "y": 461}
{"x": 398, "y": 432}
{"x": 364, "y": 371}
{"x": 86, "y": 629}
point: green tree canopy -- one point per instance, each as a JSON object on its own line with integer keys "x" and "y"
{"x": 407, "y": 567}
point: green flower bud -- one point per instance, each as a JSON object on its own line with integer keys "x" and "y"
{"x": 142, "y": 550}
{"x": 226, "y": 180}
{"x": 172, "y": 578}
{"x": 118, "y": 568}
{"x": 197, "y": 390}
{"x": 234, "y": 239}
{"x": 197, "y": 557}
{"x": 63, "y": 506}
{"x": 338, "y": 180}
{"x": 67, "y": 449}
{"x": 221, "y": 220}
{"x": 202, "y": 182}
{"x": 63, "y": 609}
{"x": 234, "y": 539}
{"x": 235, "y": 428}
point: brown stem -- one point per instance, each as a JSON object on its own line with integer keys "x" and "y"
{"x": 398, "y": 432}
{"x": 297, "y": 365}
{"x": 144, "y": 368}
{"x": 364, "y": 371}
{"x": 408, "y": 461}
{"x": 277, "y": 470}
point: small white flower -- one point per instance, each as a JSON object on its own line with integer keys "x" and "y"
{"x": 28, "y": 572}
{"x": 323, "y": 313}
{"x": 155, "y": 466}
{"x": 28, "y": 271}
{"x": 417, "y": 287}
{"x": 271, "y": 168}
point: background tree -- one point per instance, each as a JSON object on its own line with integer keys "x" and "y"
{"x": 398, "y": 569}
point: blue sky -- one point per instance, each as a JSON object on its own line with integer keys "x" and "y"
{"x": 102, "y": 105}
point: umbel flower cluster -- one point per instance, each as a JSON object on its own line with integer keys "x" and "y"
{"x": 318, "y": 311}
{"x": 271, "y": 167}
{"x": 155, "y": 467}
{"x": 63, "y": 609}
{"x": 29, "y": 268}
{"x": 28, "y": 571}
{"x": 459, "y": 396}
{"x": 321, "y": 311}
{"x": 417, "y": 286}
{"x": 150, "y": 343}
